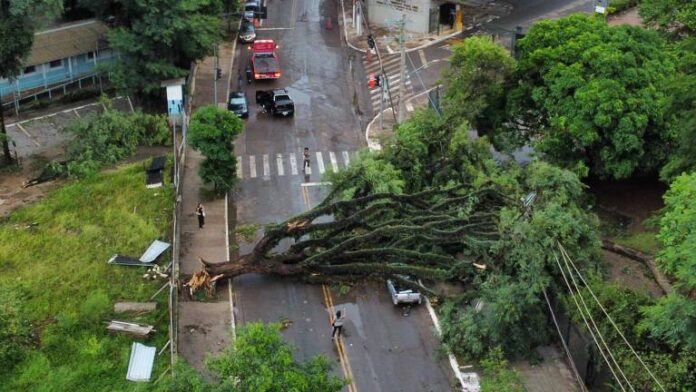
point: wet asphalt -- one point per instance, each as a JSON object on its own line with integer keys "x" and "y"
{"x": 383, "y": 349}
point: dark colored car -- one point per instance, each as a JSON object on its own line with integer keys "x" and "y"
{"x": 276, "y": 102}
{"x": 238, "y": 104}
{"x": 247, "y": 33}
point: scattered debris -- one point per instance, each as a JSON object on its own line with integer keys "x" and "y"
{"x": 142, "y": 358}
{"x": 154, "y": 173}
{"x": 471, "y": 382}
{"x": 479, "y": 266}
{"x": 156, "y": 272}
{"x": 47, "y": 174}
{"x": 134, "y": 307}
{"x": 138, "y": 330}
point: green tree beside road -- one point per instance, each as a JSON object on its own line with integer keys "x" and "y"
{"x": 212, "y": 132}
{"x": 258, "y": 360}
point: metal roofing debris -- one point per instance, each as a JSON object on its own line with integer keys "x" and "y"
{"x": 158, "y": 163}
{"x": 142, "y": 358}
{"x": 154, "y": 173}
{"x": 135, "y": 329}
{"x": 471, "y": 382}
{"x": 66, "y": 41}
{"x": 155, "y": 249}
{"x": 152, "y": 253}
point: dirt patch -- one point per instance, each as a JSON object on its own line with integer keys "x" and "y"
{"x": 631, "y": 274}
{"x": 629, "y": 17}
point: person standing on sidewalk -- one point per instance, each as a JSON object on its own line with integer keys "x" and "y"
{"x": 338, "y": 324}
{"x": 200, "y": 212}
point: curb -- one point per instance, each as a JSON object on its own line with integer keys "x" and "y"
{"x": 435, "y": 42}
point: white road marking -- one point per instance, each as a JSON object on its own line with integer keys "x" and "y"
{"x": 30, "y": 136}
{"x": 252, "y": 166}
{"x": 279, "y": 162}
{"x": 266, "y": 166}
{"x": 315, "y": 183}
{"x": 76, "y": 113}
{"x": 320, "y": 162}
{"x": 421, "y": 54}
{"x": 239, "y": 167}
{"x": 346, "y": 158}
{"x": 389, "y": 50}
{"x": 293, "y": 164}
{"x": 334, "y": 162}
{"x": 274, "y": 28}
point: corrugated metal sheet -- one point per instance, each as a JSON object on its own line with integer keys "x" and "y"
{"x": 156, "y": 248}
{"x": 66, "y": 41}
{"x": 141, "y": 360}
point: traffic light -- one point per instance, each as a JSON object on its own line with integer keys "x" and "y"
{"x": 373, "y": 81}
{"x": 218, "y": 73}
{"x": 370, "y": 42}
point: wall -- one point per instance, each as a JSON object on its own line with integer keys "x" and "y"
{"x": 382, "y": 12}
{"x": 45, "y": 76}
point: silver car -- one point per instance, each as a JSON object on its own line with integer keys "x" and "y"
{"x": 403, "y": 295}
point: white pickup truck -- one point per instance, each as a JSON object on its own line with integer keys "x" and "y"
{"x": 403, "y": 295}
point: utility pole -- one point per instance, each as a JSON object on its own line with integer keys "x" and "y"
{"x": 402, "y": 69}
{"x": 215, "y": 73}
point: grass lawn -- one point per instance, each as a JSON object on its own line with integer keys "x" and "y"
{"x": 57, "y": 268}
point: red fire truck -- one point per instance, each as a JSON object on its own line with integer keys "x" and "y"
{"x": 264, "y": 60}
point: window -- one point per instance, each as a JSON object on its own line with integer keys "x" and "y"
{"x": 55, "y": 64}
{"x": 29, "y": 70}
{"x": 90, "y": 55}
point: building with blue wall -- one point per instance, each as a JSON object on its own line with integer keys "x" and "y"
{"x": 60, "y": 55}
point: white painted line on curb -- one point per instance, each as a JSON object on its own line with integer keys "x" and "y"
{"x": 315, "y": 183}
{"x": 279, "y": 163}
{"x": 252, "y": 166}
{"x": 232, "y": 322}
{"x": 334, "y": 161}
{"x": 266, "y": 166}
{"x": 346, "y": 158}
{"x": 320, "y": 162}
{"x": 452, "y": 359}
{"x": 421, "y": 54}
{"x": 293, "y": 164}
{"x": 239, "y": 167}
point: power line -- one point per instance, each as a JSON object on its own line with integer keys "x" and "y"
{"x": 565, "y": 347}
{"x": 589, "y": 314}
{"x": 587, "y": 324}
{"x": 565, "y": 255}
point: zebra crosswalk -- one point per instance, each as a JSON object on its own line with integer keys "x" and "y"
{"x": 391, "y": 64}
{"x": 266, "y": 166}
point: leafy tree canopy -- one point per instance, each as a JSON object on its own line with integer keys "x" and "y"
{"x": 592, "y": 97}
{"x": 212, "y": 131}
{"x": 157, "y": 39}
{"x": 477, "y": 81}
{"x": 258, "y": 360}
{"x": 672, "y": 16}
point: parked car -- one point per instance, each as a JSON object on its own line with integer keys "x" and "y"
{"x": 251, "y": 9}
{"x": 403, "y": 295}
{"x": 238, "y": 104}
{"x": 276, "y": 102}
{"x": 247, "y": 33}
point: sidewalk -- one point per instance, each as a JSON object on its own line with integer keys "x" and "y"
{"x": 203, "y": 326}
{"x": 472, "y": 17}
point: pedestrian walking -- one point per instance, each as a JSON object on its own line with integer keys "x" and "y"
{"x": 338, "y": 324}
{"x": 200, "y": 212}
{"x": 305, "y": 163}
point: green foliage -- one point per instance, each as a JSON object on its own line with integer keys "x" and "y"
{"x": 15, "y": 331}
{"x": 65, "y": 289}
{"x": 247, "y": 232}
{"x": 677, "y": 255}
{"x": 212, "y": 131}
{"x": 620, "y": 5}
{"x": 673, "y": 320}
{"x": 635, "y": 314}
{"x": 480, "y": 73}
{"x": 366, "y": 175}
{"x": 673, "y": 16}
{"x": 103, "y": 140}
{"x": 497, "y": 375}
{"x": 158, "y": 39}
{"x": 592, "y": 97}
{"x": 682, "y": 89}
{"x": 258, "y": 360}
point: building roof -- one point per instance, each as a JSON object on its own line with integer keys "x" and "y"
{"x": 67, "y": 40}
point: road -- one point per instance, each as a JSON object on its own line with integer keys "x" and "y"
{"x": 382, "y": 349}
